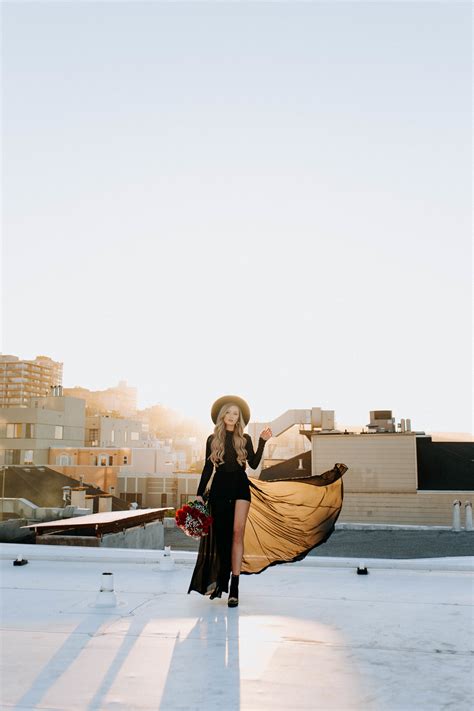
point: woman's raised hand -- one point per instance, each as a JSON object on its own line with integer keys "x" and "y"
{"x": 266, "y": 433}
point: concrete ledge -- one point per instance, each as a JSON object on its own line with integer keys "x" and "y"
{"x": 124, "y": 555}
{"x": 80, "y": 553}
{"x": 460, "y": 563}
{"x": 359, "y": 526}
{"x": 389, "y": 527}
{"x": 169, "y": 522}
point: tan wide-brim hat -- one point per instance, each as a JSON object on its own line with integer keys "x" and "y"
{"x": 244, "y": 408}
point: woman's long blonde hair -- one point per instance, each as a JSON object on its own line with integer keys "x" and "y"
{"x": 218, "y": 439}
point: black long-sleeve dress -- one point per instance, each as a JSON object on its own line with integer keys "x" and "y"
{"x": 286, "y": 519}
{"x": 230, "y": 480}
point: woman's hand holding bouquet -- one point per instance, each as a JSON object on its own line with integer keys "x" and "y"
{"x": 194, "y": 518}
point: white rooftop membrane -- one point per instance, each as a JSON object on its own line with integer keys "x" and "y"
{"x": 312, "y": 635}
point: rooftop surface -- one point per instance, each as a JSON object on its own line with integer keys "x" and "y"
{"x": 308, "y": 635}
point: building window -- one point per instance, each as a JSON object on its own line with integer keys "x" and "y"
{"x": 12, "y": 456}
{"x": 64, "y": 460}
{"x": 164, "y": 499}
{"x": 29, "y": 430}
{"x": 102, "y": 460}
{"x": 24, "y": 430}
{"x": 58, "y": 432}
{"x": 111, "y": 460}
{"x": 184, "y": 499}
{"x": 135, "y": 436}
{"x": 28, "y": 456}
{"x": 125, "y": 459}
{"x": 125, "y": 436}
{"x": 112, "y": 436}
{"x": 14, "y": 429}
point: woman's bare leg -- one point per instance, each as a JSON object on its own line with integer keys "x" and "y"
{"x": 240, "y": 519}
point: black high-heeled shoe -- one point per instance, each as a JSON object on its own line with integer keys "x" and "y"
{"x": 233, "y": 600}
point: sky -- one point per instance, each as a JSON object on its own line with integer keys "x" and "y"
{"x": 268, "y": 199}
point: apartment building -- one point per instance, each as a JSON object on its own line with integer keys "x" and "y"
{"x": 143, "y": 474}
{"x": 98, "y": 466}
{"x": 28, "y": 432}
{"x": 22, "y": 379}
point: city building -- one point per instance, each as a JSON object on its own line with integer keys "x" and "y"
{"x": 384, "y": 484}
{"x": 395, "y": 475}
{"x": 172, "y": 488}
{"x": 22, "y": 379}
{"x": 121, "y": 399}
{"x": 145, "y": 475}
{"x": 27, "y": 432}
{"x": 108, "y": 431}
{"x": 98, "y": 466}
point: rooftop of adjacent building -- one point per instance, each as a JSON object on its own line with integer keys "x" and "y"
{"x": 310, "y": 635}
{"x": 371, "y": 540}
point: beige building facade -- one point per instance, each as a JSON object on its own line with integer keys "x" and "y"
{"x": 107, "y": 431}
{"x": 147, "y": 476}
{"x": 99, "y": 466}
{"x": 28, "y": 432}
{"x": 171, "y": 489}
{"x": 381, "y": 484}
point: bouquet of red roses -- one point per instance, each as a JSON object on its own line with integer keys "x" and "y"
{"x": 194, "y": 519}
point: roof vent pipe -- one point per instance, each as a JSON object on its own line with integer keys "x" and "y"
{"x": 106, "y": 596}
{"x": 167, "y": 560}
{"x": 456, "y": 515}
{"x": 468, "y": 516}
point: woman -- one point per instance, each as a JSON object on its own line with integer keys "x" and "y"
{"x": 288, "y": 517}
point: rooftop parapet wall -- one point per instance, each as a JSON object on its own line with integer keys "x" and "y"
{"x": 146, "y": 536}
{"x": 423, "y": 508}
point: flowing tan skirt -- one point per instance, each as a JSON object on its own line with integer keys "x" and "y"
{"x": 287, "y": 518}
